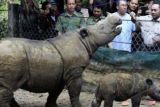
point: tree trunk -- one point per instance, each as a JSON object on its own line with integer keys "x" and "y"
{"x": 13, "y": 20}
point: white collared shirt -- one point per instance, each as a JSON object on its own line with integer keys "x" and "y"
{"x": 149, "y": 29}
{"x": 85, "y": 13}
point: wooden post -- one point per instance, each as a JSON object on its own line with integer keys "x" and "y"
{"x": 13, "y": 20}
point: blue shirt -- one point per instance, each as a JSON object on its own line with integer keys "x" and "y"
{"x": 124, "y": 39}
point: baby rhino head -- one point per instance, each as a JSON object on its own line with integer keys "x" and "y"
{"x": 154, "y": 89}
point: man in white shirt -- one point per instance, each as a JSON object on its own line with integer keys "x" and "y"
{"x": 150, "y": 27}
{"x": 124, "y": 39}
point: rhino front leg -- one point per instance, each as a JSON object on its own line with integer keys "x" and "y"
{"x": 74, "y": 84}
{"x": 5, "y": 97}
{"x": 74, "y": 90}
{"x": 136, "y": 100}
{"x": 96, "y": 102}
{"x": 108, "y": 99}
{"x": 98, "y": 98}
{"x": 108, "y": 103}
{"x": 52, "y": 98}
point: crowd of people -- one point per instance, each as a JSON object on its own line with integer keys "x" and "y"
{"x": 137, "y": 25}
{"x": 140, "y": 23}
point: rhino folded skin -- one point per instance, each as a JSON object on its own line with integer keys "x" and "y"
{"x": 27, "y": 59}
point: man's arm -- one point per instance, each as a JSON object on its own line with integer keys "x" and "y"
{"x": 134, "y": 20}
{"x": 58, "y": 26}
{"x": 156, "y": 39}
{"x": 138, "y": 27}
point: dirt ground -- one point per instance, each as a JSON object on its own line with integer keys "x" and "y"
{"x": 90, "y": 77}
{"x": 27, "y": 99}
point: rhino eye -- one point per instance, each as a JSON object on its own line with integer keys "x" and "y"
{"x": 102, "y": 27}
{"x": 119, "y": 21}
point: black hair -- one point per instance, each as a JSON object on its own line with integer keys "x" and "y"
{"x": 136, "y": 10}
{"x": 44, "y": 4}
{"x": 98, "y": 4}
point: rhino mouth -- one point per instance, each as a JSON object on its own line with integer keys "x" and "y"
{"x": 116, "y": 23}
{"x": 119, "y": 22}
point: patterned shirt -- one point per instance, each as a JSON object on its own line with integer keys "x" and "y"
{"x": 67, "y": 22}
{"x": 149, "y": 29}
{"x": 92, "y": 20}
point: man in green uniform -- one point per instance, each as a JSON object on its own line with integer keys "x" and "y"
{"x": 97, "y": 15}
{"x": 70, "y": 19}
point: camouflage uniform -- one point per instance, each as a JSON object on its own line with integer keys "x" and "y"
{"x": 67, "y": 22}
{"x": 91, "y": 20}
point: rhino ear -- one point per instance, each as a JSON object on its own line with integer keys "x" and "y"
{"x": 149, "y": 81}
{"x": 84, "y": 32}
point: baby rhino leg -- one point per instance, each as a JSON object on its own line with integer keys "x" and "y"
{"x": 98, "y": 98}
{"x": 136, "y": 100}
{"x": 96, "y": 102}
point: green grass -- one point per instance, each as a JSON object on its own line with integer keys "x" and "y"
{"x": 3, "y": 19}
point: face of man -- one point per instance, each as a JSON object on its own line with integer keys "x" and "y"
{"x": 122, "y": 7}
{"x": 133, "y": 5}
{"x": 48, "y": 6}
{"x": 70, "y": 6}
{"x": 97, "y": 12}
{"x": 78, "y": 5}
{"x": 155, "y": 11}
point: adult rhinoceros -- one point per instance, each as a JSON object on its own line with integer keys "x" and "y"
{"x": 49, "y": 65}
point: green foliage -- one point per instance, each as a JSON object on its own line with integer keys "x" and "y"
{"x": 3, "y": 6}
{"x": 85, "y": 3}
{"x": 3, "y": 19}
{"x": 39, "y": 1}
{"x": 3, "y": 28}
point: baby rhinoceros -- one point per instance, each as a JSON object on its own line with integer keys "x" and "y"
{"x": 122, "y": 86}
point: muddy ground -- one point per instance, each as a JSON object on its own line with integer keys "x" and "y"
{"x": 27, "y": 99}
{"x": 90, "y": 77}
